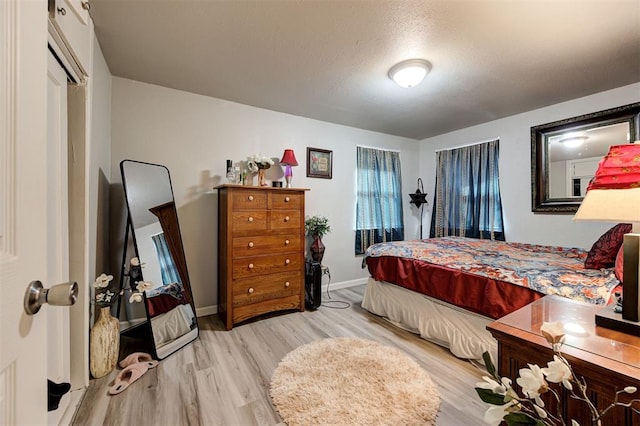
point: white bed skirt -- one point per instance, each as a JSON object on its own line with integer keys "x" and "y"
{"x": 463, "y": 332}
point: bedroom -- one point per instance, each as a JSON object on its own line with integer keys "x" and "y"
{"x": 193, "y": 135}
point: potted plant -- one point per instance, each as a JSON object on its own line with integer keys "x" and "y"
{"x": 317, "y": 227}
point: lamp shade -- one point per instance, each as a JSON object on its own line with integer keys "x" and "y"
{"x": 289, "y": 158}
{"x": 613, "y": 195}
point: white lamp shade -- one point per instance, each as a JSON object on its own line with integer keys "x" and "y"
{"x": 610, "y": 205}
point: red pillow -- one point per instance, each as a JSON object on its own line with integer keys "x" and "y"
{"x": 619, "y": 260}
{"x": 604, "y": 251}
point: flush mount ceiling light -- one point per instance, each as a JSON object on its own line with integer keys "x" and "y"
{"x": 409, "y": 73}
{"x": 573, "y": 140}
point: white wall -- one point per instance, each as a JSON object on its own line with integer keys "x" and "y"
{"x": 194, "y": 135}
{"x": 521, "y": 224}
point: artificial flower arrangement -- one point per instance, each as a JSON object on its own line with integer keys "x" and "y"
{"x": 317, "y": 226}
{"x": 258, "y": 162}
{"x": 513, "y": 409}
{"x": 107, "y": 294}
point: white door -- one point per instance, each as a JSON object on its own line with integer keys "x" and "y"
{"x": 23, "y": 210}
{"x": 58, "y": 339}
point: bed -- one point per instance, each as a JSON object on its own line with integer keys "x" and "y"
{"x": 448, "y": 289}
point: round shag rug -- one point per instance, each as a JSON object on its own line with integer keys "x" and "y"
{"x": 352, "y": 381}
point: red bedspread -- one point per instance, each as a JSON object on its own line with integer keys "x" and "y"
{"x": 492, "y": 278}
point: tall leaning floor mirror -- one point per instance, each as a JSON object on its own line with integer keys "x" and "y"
{"x": 153, "y": 237}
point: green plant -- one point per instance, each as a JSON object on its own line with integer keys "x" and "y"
{"x": 317, "y": 225}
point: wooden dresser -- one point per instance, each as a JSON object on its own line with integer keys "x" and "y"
{"x": 607, "y": 360}
{"x": 260, "y": 251}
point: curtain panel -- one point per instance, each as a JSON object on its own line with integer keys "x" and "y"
{"x": 167, "y": 266}
{"x": 379, "y": 198}
{"x": 467, "y": 196}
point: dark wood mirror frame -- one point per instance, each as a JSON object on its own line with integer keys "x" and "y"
{"x": 540, "y": 199}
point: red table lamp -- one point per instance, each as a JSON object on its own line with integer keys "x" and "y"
{"x": 289, "y": 160}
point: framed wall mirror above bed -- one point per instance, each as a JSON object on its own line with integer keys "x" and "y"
{"x": 565, "y": 154}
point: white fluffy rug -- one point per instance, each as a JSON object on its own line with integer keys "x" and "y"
{"x": 348, "y": 381}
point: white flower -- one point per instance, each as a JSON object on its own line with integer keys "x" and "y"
{"x": 630, "y": 389}
{"x": 574, "y": 423}
{"x": 492, "y": 385}
{"x": 532, "y": 382}
{"x": 135, "y": 261}
{"x": 554, "y": 333}
{"x": 557, "y": 371}
{"x": 541, "y": 413}
{"x": 495, "y": 413}
{"x": 143, "y": 286}
{"x": 102, "y": 281}
{"x": 135, "y": 297}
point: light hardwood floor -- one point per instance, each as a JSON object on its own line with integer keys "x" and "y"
{"x": 223, "y": 377}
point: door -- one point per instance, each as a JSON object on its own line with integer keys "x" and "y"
{"x": 23, "y": 209}
{"x": 57, "y": 241}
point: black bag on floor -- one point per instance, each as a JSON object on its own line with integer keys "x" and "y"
{"x": 312, "y": 285}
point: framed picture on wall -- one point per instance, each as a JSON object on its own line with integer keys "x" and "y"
{"x": 319, "y": 163}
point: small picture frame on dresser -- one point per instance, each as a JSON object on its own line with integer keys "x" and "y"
{"x": 319, "y": 163}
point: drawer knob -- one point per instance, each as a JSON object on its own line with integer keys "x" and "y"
{"x": 251, "y": 266}
{"x": 287, "y": 218}
{"x": 62, "y": 11}
{"x": 250, "y": 290}
{"x": 250, "y": 219}
{"x": 286, "y": 199}
{"x": 287, "y": 284}
{"x": 250, "y": 198}
{"x": 286, "y": 262}
{"x": 286, "y": 242}
{"x": 250, "y": 244}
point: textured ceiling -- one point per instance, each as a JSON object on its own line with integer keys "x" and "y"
{"x": 329, "y": 60}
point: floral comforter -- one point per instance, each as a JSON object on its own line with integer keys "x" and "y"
{"x": 545, "y": 269}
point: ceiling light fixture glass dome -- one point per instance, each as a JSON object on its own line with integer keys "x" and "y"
{"x": 409, "y": 73}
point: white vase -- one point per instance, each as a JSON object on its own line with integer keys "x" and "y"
{"x": 104, "y": 344}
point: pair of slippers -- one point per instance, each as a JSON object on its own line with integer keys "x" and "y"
{"x": 133, "y": 367}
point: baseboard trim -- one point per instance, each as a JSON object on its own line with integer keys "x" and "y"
{"x": 213, "y": 309}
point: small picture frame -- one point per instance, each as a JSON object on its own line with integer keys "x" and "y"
{"x": 319, "y": 163}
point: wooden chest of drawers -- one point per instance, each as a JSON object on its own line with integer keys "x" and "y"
{"x": 260, "y": 251}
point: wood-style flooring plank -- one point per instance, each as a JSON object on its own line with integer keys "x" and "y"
{"x": 223, "y": 377}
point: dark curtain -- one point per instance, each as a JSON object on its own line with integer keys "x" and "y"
{"x": 379, "y": 199}
{"x": 467, "y": 195}
{"x": 167, "y": 265}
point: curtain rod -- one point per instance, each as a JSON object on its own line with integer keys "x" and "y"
{"x": 497, "y": 138}
{"x": 380, "y": 149}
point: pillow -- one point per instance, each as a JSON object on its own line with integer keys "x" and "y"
{"x": 619, "y": 259}
{"x": 603, "y": 252}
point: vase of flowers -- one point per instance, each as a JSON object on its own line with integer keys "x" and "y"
{"x": 104, "y": 338}
{"x": 317, "y": 227}
{"x": 259, "y": 163}
{"x": 507, "y": 406}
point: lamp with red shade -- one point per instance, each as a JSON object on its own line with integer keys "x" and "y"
{"x": 289, "y": 160}
{"x": 613, "y": 195}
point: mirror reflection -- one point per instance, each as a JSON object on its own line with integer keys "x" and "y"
{"x": 155, "y": 233}
{"x": 565, "y": 155}
{"x": 574, "y": 156}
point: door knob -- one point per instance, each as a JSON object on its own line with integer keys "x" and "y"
{"x": 64, "y": 294}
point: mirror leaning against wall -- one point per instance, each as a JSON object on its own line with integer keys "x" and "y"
{"x": 155, "y": 240}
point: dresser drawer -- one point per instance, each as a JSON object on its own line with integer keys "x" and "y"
{"x": 256, "y": 245}
{"x": 242, "y": 313}
{"x": 255, "y": 221}
{"x": 286, "y": 200}
{"x": 285, "y": 219}
{"x": 267, "y": 264}
{"x": 250, "y": 290}
{"x": 249, "y": 199}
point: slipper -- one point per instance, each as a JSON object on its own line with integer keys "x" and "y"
{"x": 127, "y": 376}
{"x": 138, "y": 357}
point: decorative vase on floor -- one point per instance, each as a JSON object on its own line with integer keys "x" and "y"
{"x": 261, "y": 181}
{"x": 104, "y": 344}
{"x": 317, "y": 249}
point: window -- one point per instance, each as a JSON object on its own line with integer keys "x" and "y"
{"x": 379, "y": 201}
{"x": 167, "y": 266}
{"x": 467, "y": 198}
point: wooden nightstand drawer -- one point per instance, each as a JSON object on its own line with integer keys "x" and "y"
{"x": 249, "y": 290}
{"x": 255, "y": 221}
{"x": 257, "y": 245}
{"x": 267, "y": 264}
{"x": 285, "y": 219}
{"x": 249, "y": 200}
{"x": 285, "y": 200}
